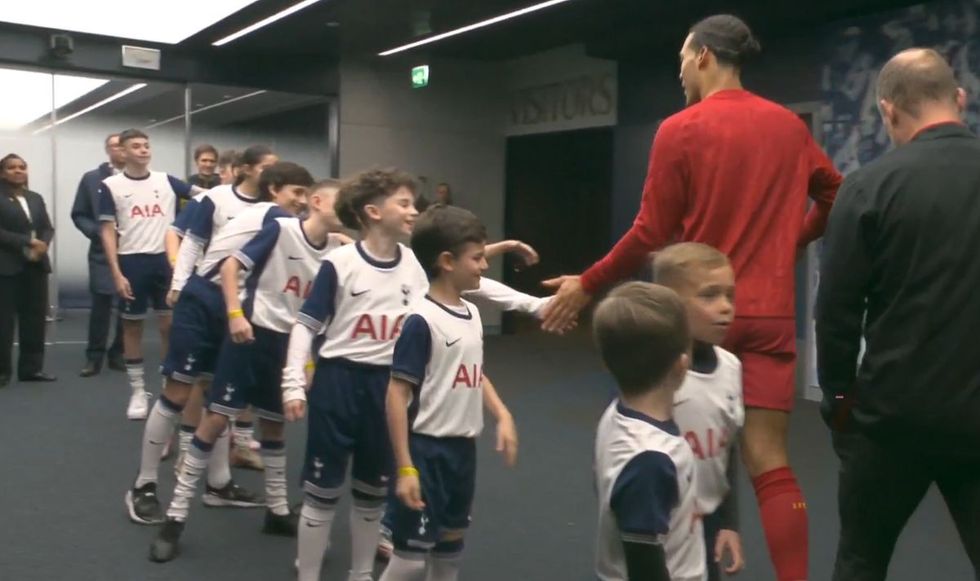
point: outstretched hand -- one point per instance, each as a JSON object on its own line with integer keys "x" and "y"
{"x": 569, "y": 300}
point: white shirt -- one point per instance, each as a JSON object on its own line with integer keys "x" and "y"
{"x": 646, "y": 483}
{"x": 142, "y": 208}
{"x": 27, "y": 212}
{"x": 282, "y": 264}
{"x": 440, "y": 352}
{"x": 709, "y": 411}
{"x": 234, "y": 236}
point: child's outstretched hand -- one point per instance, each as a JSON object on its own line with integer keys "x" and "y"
{"x": 409, "y": 491}
{"x": 730, "y": 542}
{"x": 507, "y": 440}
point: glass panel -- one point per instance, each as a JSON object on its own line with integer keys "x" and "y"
{"x": 82, "y": 127}
{"x": 293, "y": 125}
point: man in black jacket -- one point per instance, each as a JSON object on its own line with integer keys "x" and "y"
{"x": 84, "y": 213}
{"x": 901, "y": 268}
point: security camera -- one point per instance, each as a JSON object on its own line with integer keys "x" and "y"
{"x": 61, "y": 45}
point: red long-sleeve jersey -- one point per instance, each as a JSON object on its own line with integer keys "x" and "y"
{"x": 733, "y": 171}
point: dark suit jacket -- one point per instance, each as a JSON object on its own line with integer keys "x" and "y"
{"x": 85, "y": 215}
{"x": 15, "y": 232}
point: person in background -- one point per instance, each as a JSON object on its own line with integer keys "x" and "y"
{"x": 84, "y": 213}
{"x": 25, "y": 235}
{"x": 228, "y": 164}
{"x": 444, "y": 194}
{"x": 206, "y": 159}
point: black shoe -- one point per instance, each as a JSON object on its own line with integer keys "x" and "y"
{"x": 91, "y": 368}
{"x": 284, "y": 525}
{"x": 39, "y": 376}
{"x": 143, "y": 505}
{"x": 165, "y": 546}
{"x": 117, "y": 363}
{"x": 232, "y": 495}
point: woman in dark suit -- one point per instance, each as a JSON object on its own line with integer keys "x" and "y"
{"x": 25, "y": 234}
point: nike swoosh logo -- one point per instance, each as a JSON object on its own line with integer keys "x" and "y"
{"x": 357, "y": 294}
{"x": 677, "y": 403}
{"x": 152, "y": 443}
{"x": 313, "y": 526}
{"x": 295, "y": 258}
{"x": 448, "y": 344}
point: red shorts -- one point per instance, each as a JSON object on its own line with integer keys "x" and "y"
{"x": 767, "y": 348}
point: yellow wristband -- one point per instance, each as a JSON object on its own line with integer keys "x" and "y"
{"x": 310, "y": 366}
{"x": 173, "y": 261}
{"x": 236, "y": 313}
{"x": 408, "y": 471}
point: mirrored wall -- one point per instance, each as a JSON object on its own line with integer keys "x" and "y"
{"x": 58, "y": 124}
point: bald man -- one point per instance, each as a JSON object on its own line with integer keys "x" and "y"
{"x": 901, "y": 268}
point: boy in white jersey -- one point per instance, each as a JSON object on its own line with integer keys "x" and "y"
{"x": 649, "y": 522}
{"x": 708, "y": 406}
{"x": 202, "y": 313}
{"x": 282, "y": 261}
{"x": 192, "y": 345}
{"x": 435, "y": 402}
{"x": 136, "y": 207}
{"x": 361, "y": 297}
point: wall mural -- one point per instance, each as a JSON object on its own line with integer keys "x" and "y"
{"x": 852, "y": 130}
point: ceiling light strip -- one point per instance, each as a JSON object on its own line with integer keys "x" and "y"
{"x": 90, "y": 108}
{"x": 264, "y": 22}
{"x": 474, "y": 26}
{"x": 212, "y": 106}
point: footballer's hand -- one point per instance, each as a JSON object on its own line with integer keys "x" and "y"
{"x": 124, "y": 289}
{"x": 172, "y": 297}
{"x": 507, "y": 440}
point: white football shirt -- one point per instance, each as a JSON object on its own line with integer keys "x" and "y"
{"x": 647, "y": 487}
{"x": 440, "y": 352}
{"x": 142, "y": 208}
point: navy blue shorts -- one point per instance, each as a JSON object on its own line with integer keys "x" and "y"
{"x": 346, "y": 408}
{"x": 250, "y": 374}
{"x": 149, "y": 279}
{"x": 447, "y": 473}
{"x": 199, "y": 326}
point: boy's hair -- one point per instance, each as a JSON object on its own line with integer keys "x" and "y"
{"x": 369, "y": 187}
{"x": 443, "y": 228}
{"x": 229, "y": 157}
{"x": 327, "y": 183}
{"x": 280, "y": 174}
{"x": 640, "y": 329}
{"x": 131, "y": 134}
{"x": 204, "y": 148}
{"x": 672, "y": 265}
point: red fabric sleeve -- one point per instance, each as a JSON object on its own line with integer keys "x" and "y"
{"x": 823, "y": 185}
{"x": 665, "y": 194}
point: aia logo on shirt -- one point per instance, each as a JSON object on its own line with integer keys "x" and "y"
{"x": 297, "y": 288}
{"x": 378, "y": 328}
{"x": 468, "y": 376}
{"x": 708, "y": 445}
{"x": 146, "y": 211}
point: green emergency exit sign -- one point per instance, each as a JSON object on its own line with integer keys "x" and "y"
{"x": 420, "y": 76}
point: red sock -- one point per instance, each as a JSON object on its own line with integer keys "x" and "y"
{"x": 784, "y": 520}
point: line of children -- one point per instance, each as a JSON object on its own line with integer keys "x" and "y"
{"x": 281, "y": 261}
{"x": 202, "y": 326}
{"x": 360, "y": 300}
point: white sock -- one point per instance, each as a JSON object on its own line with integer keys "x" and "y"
{"x": 159, "y": 429}
{"x": 405, "y": 567}
{"x": 275, "y": 477}
{"x": 365, "y": 528}
{"x": 219, "y": 471}
{"x": 243, "y": 433}
{"x": 134, "y": 369}
{"x": 443, "y": 567}
{"x": 186, "y": 434}
{"x": 313, "y": 538}
{"x": 195, "y": 462}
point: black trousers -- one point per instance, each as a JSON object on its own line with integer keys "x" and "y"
{"x": 99, "y": 320}
{"x": 24, "y": 305}
{"x": 880, "y": 487}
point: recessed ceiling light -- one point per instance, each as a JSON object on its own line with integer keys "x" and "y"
{"x": 333, "y": 24}
{"x": 474, "y": 26}
{"x": 264, "y": 22}
{"x": 164, "y": 22}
